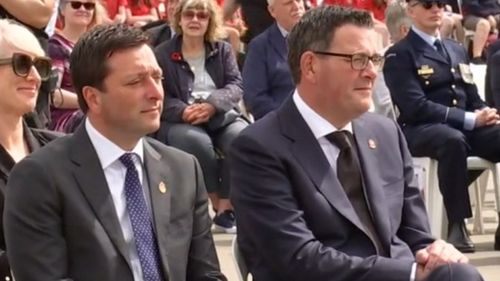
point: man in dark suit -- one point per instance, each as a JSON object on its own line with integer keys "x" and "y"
{"x": 492, "y": 83}
{"x": 441, "y": 113}
{"x": 267, "y": 81}
{"x": 322, "y": 189}
{"x": 108, "y": 203}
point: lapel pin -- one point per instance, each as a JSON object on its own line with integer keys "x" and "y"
{"x": 372, "y": 144}
{"x": 162, "y": 187}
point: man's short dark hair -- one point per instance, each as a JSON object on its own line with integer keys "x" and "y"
{"x": 316, "y": 29}
{"x": 88, "y": 62}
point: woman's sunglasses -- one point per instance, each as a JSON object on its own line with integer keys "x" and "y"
{"x": 200, "y": 15}
{"x": 86, "y": 5}
{"x": 22, "y": 63}
{"x": 428, "y": 4}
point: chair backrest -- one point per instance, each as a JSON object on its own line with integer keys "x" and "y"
{"x": 239, "y": 261}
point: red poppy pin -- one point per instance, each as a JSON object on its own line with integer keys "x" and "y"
{"x": 176, "y": 56}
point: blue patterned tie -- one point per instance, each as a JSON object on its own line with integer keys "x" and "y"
{"x": 145, "y": 240}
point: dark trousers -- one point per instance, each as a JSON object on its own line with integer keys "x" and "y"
{"x": 208, "y": 146}
{"x": 450, "y": 147}
{"x": 455, "y": 272}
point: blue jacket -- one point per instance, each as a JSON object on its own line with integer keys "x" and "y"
{"x": 220, "y": 64}
{"x": 266, "y": 75}
{"x": 426, "y": 87}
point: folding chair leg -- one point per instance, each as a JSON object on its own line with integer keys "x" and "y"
{"x": 478, "y": 216}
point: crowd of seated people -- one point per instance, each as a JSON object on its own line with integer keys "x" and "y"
{"x": 196, "y": 44}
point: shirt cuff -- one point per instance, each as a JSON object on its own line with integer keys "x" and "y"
{"x": 413, "y": 273}
{"x": 469, "y": 121}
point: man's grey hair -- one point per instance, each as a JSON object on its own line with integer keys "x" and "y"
{"x": 395, "y": 17}
{"x": 270, "y": 2}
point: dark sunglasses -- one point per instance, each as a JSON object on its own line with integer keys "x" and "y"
{"x": 190, "y": 14}
{"x": 86, "y": 5}
{"x": 428, "y": 5}
{"x": 22, "y": 63}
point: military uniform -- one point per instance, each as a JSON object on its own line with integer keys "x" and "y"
{"x": 433, "y": 92}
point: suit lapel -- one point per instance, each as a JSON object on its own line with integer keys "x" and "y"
{"x": 158, "y": 174}
{"x": 309, "y": 154}
{"x": 374, "y": 194}
{"x": 90, "y": 177}
{"x": 425, "y": 49}
{"x": 455, "y": 59}
{"x": 278, "y": 41}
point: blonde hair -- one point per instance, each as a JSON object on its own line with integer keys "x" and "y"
{"x": 215, "y": 30}
{"x": 14, "y": 36}
{"x": 99, "y": 15}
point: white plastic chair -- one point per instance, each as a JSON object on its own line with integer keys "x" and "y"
{"x": 427, "y": 168}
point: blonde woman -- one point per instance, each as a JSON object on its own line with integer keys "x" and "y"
{"x": 203, "y": 87}
{"x": 77, "y": 17}
{"x": 23, "y": 66}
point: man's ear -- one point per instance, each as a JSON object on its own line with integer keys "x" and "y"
{"x": 403, "y": 30}
{"x": 93, "y": 98}
{"x": 309, "y": 66}
{"x": 270, "y": 8}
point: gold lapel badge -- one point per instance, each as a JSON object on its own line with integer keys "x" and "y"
{"x": 372, "y": 144}
{"x": 162, "y": 187}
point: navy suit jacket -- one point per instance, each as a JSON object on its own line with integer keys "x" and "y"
{"x": 426, "y": 87}
{"x": 295, "y": 222}
{"x": 267, "y": 81}
{"x": 492, "y": 83}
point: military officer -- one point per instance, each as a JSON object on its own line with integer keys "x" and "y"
{"x": 441, "y": 113}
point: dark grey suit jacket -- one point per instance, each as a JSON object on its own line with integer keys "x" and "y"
{"x": 60, "y": 220}
{"x": 295, "y": 222}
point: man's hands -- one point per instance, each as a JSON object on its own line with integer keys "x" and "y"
{"x": 435, "y": 255}
{"x": 198, "y": 113}
{"x": 486, "y": 117}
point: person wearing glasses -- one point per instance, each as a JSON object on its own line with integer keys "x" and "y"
{"x": 322, "y": 189}
{"x": 108, "y": 203}
{"x": 441, "y": 113}
{"x": 203, "y": 88}
{"x": 23, "y": 67}
{"x": 77, "y": 17}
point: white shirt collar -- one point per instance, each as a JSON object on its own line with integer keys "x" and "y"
{"x": 107, "y": 151}
{"x": 282, "y": 30}
{"x": 319, "y": 126}
{"x": 426, "y": 37}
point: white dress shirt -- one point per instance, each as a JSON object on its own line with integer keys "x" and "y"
{"x": 114, "y": 171}
{"x": 320, "y": 128}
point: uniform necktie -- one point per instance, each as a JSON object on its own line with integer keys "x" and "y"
{"x": 142, "y": 226}
{"x": 349, "y": 175}
{"x": 440, "y": 49}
